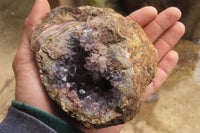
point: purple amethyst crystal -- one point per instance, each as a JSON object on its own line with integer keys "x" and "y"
{"x": 94, "y": 63}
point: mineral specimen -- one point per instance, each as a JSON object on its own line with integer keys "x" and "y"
{"x": 94, "y": 63}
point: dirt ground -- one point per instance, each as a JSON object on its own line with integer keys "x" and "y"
{"x": 178, "y": 107}
{"x": 175, "y": 108}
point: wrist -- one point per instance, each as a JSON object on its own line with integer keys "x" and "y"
{"x": 54, "y": 122}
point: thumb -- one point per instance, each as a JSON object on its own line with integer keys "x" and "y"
{"x": 40, "y": 9}
{"x": 24, "y": 54}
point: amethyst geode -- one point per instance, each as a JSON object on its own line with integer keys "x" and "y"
{"x": 94, "y": 63}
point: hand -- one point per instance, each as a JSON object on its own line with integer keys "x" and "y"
{"x": 163, "y": 30}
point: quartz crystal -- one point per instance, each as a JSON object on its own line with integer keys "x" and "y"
{"x": 94, "y": 63}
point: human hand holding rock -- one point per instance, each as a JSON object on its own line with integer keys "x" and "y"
{"x": 163, "y": 30}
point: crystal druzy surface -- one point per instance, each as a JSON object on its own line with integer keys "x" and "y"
{"x": 94, "y": 63}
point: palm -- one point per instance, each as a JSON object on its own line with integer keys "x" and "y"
{"x": 163, "y": 30}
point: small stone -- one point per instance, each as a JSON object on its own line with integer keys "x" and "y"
{"x": 68, "y": 85}
{"x": 94, "y": 63}
{"x": 72, "y": 70}
{"x": 64, "y": 79}
{"x": 87, "y": 47}
{"x": 82, "y": 92}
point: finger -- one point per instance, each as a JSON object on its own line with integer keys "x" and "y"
{"x": 144, "y": 15}
{"x": 167, "y": 41}
{"x": 162, "y": 22}
{"x": 38, "y": 12}
{"x": 164, "y": 69}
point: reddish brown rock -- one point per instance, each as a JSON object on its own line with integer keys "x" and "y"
{"x": 94, "y": 63}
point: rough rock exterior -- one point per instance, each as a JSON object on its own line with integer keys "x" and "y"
{"x": 94, "y": 63}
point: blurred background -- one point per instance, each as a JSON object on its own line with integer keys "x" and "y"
{"x": 174, "y": 108}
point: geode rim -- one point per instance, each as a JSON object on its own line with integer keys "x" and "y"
{"x": 94, "y": 63}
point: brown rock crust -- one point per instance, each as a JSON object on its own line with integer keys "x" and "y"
{"x": 94, "y": 63}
